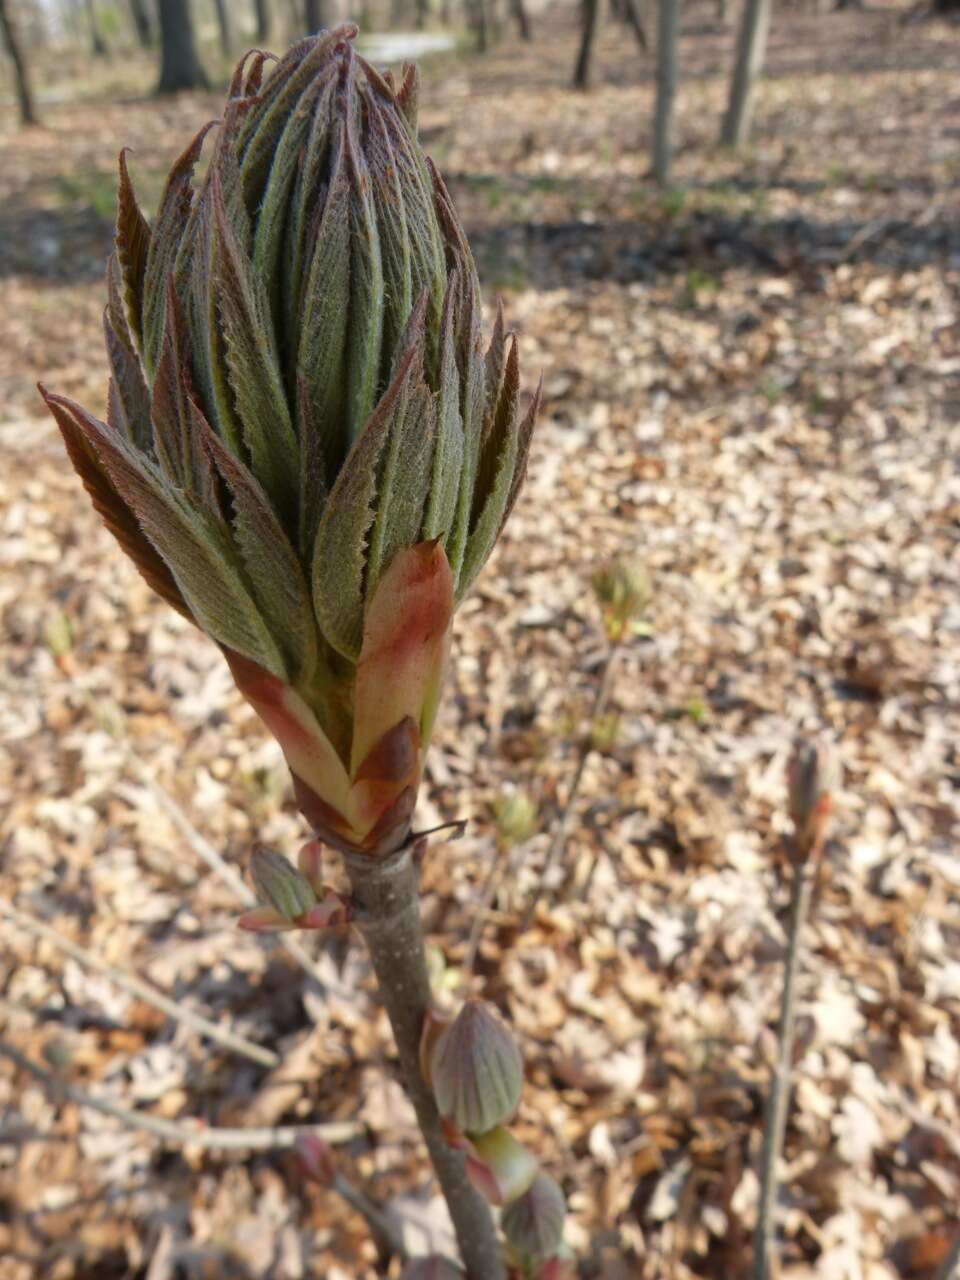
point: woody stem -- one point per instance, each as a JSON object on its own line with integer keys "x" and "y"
{"x": 386, "y": 893}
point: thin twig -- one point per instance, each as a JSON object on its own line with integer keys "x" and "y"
{"x": 951, "y": 1266}
{"x": 206, "y": 852}
{"x": 775, "y": 1119}
{"x": 386, "y": 1234}
{"x": 194, "y": 1134}
{"x": 143, "y": 990}
{"x": 563, "y": 825}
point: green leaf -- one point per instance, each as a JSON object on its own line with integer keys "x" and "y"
{"x": 168, "y": 228}
{"x": 439, "y": 520}
{"x": 339, "y": 556}
{"x": 322, "y": 330}
{"x": 132, "y": 246}
{"x": 365, "y": 321}
{"x": 106, "y": 499}
{"x": 275, "y": 574}
{"x": 251, "y": 358}
{"x": 195, "y": 548}
{"x": 128, "y": 398}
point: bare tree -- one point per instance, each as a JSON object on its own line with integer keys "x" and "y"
{"x": 634, "y": 20}
{"x": 590, "y": 10}
{"x": 180, "y": 68}
{"x": 97, "y": 43}
{"x": 751, "y": 51}
{"x": 519, "y": 10}
{"x": 11, "y": 42}
{"x": 667, "y": 29}
{"x": 479, "y": 19}
{"x": 225, "y": 26}
{"x": 141, "y": 21}
{"x": 262, "y": 10}
{"x": 317, "y": 15}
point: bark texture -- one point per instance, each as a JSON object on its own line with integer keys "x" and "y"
{"x": 386, "y": 891}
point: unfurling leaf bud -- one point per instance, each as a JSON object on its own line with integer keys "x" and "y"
{"x": 307, "y": 452}
{"x": 813, "y": 777}
{"x": 533, "y": 1223}
{"x": 476, "y": 1070}
{"x": 623, "y": 591}
{"x": 515, "y": 814}
{"x": 316, "y": 1159}
{"x": 433, "y": 1268}
{"x": 499, "y": 1166}
{"x": 288, "y": 899}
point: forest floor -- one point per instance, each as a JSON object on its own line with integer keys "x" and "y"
{"x": 753, "y": 384}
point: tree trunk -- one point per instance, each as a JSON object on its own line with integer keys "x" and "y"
{"x": 633, "y": 19}
{"x": 262, "y": 10}
{"x": 667, "y": 28}
{"x": 226, "y": 29}
{"x": 519, "y": 10}
{"x": 11, "y": 42}
{"x": 423, "y": 13}
{"x": 141, "y": 21}
{"x": 479, "y": 22}
{"x": 591, "y": 20}
{"x": 751, "y": 51}
{"x": 317, "y": 15}
{"x": 180, "y": 68}
{"x": 98, "y": 46}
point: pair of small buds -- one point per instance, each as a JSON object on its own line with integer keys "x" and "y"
{"x": 292, "y": 897}
{"x": 475, "y": 1069}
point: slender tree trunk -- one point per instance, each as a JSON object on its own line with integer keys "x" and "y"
{"x": 634, "y": 20}
{"x": 751, "y": 51}
{"x": 11, "y": 42}
{"x": 479, "y": 20}
{"x": 591, "y": 20}
{"x": 180, "y": 68}
{"x": 262, "y": 10}
{"x": 98, "y": 45}
{"x": 225, "y": 25}
{"x": 317, "y": 15}
{"x": 667, "y": 29}
{"x": 423, "y": 13}
{"x": 141, "y": 21}
{"x": 519, "y": 10}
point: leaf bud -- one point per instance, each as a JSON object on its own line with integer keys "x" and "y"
{"x": 515, "y": 813}
{"x": 476, "y": 1070}
{"x": 499, "y": 1166}
{"x": 813, "y": 776}
{"x": 623, "y": 592}
{"x": 533, "y": 1223}
{"x": 288, "y": 898}
{"x": 316, "y": 1159}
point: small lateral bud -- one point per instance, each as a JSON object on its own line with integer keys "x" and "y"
{"x": 316, "y": 1159}
{"x": 533, "y": 1223}
{"x": 432, "y": 1268}
{"x": 813, "y": 776}
{"x": 476, "y": 1070}
{"x": 288, "y": 898}
{"x": 623, "y": 592}
{"x": 499, "y": 1166}
{"x": 515, "y": 814}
